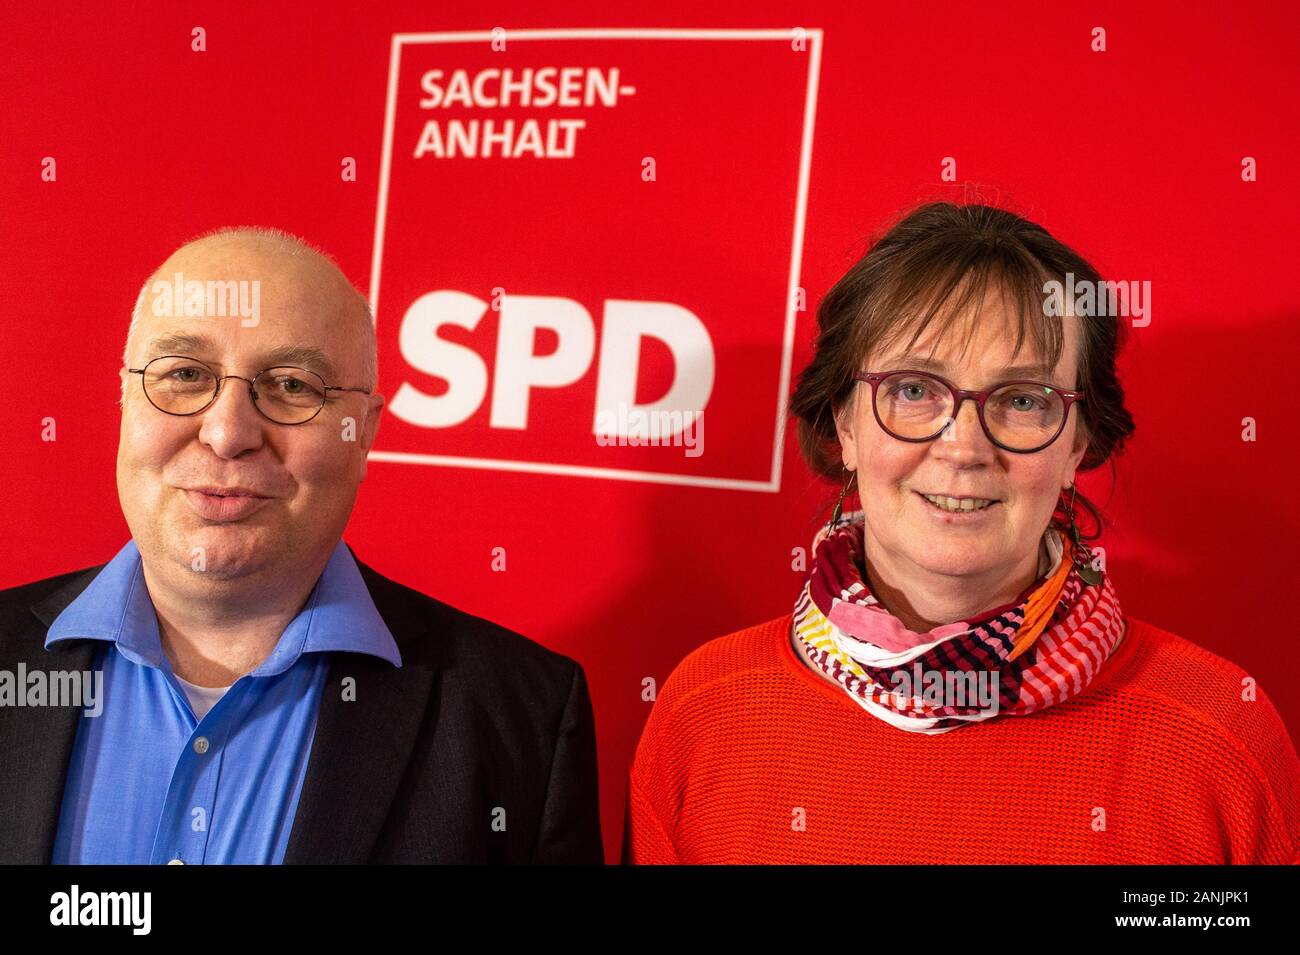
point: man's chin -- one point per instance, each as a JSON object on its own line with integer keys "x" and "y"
{"x": 221, "y": 552}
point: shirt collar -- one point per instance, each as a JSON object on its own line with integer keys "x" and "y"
{"x": 339, "y": 615}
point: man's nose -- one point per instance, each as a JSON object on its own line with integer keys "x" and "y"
{"x": 232, "y": 424}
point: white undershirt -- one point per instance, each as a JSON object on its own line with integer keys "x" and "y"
{"x": 202, "y": 698}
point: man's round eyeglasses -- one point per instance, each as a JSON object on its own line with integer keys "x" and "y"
{"x": 285, "y": 394}
{"x": 1019, "y": 416}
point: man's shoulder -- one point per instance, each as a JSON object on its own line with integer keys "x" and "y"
{"x": 36, "y": 590}
{"x": 426, "y": 628}
{"x": 49, "y": 595}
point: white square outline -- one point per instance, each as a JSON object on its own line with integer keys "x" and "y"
{"x": 773, "y": 484}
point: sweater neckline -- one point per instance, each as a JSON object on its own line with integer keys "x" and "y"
{"x": 1123, "y": 653}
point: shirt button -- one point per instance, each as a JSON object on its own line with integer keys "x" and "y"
{"x": 201, "y": 745}
{"x": 176, "y": 862}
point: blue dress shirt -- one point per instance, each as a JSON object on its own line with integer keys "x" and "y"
{"x": 147, "y": 782}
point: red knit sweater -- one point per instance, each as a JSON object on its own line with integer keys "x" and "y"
{"x": 749, "y": 756}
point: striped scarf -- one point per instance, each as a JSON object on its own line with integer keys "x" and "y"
{"x": 1024, "y": 656}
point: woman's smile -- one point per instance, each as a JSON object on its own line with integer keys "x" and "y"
{"x": 954, "y": 511}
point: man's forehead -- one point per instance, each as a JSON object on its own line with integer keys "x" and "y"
{"x": 263, "y": 353}
{"x": 287, "y": 296}
{"x": 287, "y": 286}
{"x": 293, "y": 276}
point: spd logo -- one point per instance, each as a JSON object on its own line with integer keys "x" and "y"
{"x": 587, "y": 250}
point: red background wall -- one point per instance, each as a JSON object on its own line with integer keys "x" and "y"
{"x": 1133, "y": 156}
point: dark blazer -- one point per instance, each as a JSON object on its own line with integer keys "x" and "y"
{"x": 412, "y": 770}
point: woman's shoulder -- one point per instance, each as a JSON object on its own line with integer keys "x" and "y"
{"x": 737, "y": 656}
{"x": 1185, "y": 685}
{"x": 717, "y": 685}
{"x": 1165, "y": 663}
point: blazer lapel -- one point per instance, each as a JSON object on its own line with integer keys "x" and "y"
{"x": 36, "y": 741}
{"x": 366, "y": 730}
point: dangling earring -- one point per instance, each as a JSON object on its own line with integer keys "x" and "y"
{"x": 839, "y": 505}
{"x": 1082, "y": 553}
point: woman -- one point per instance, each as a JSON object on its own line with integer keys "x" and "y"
{"x": 956, "y": 681}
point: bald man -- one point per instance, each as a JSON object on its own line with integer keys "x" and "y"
{"x": 234, "y": 686}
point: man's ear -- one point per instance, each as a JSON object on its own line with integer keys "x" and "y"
{"x": 370, "y": 431}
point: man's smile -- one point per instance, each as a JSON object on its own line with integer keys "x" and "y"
{"x": 224, "y": 505}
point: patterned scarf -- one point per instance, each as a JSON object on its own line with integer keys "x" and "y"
{"x": 1037, "y": 651}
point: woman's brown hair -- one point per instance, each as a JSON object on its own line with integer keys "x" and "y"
{"x": 934, "y": 264}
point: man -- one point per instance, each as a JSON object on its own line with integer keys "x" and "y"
{"x": 265, "y": 696}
